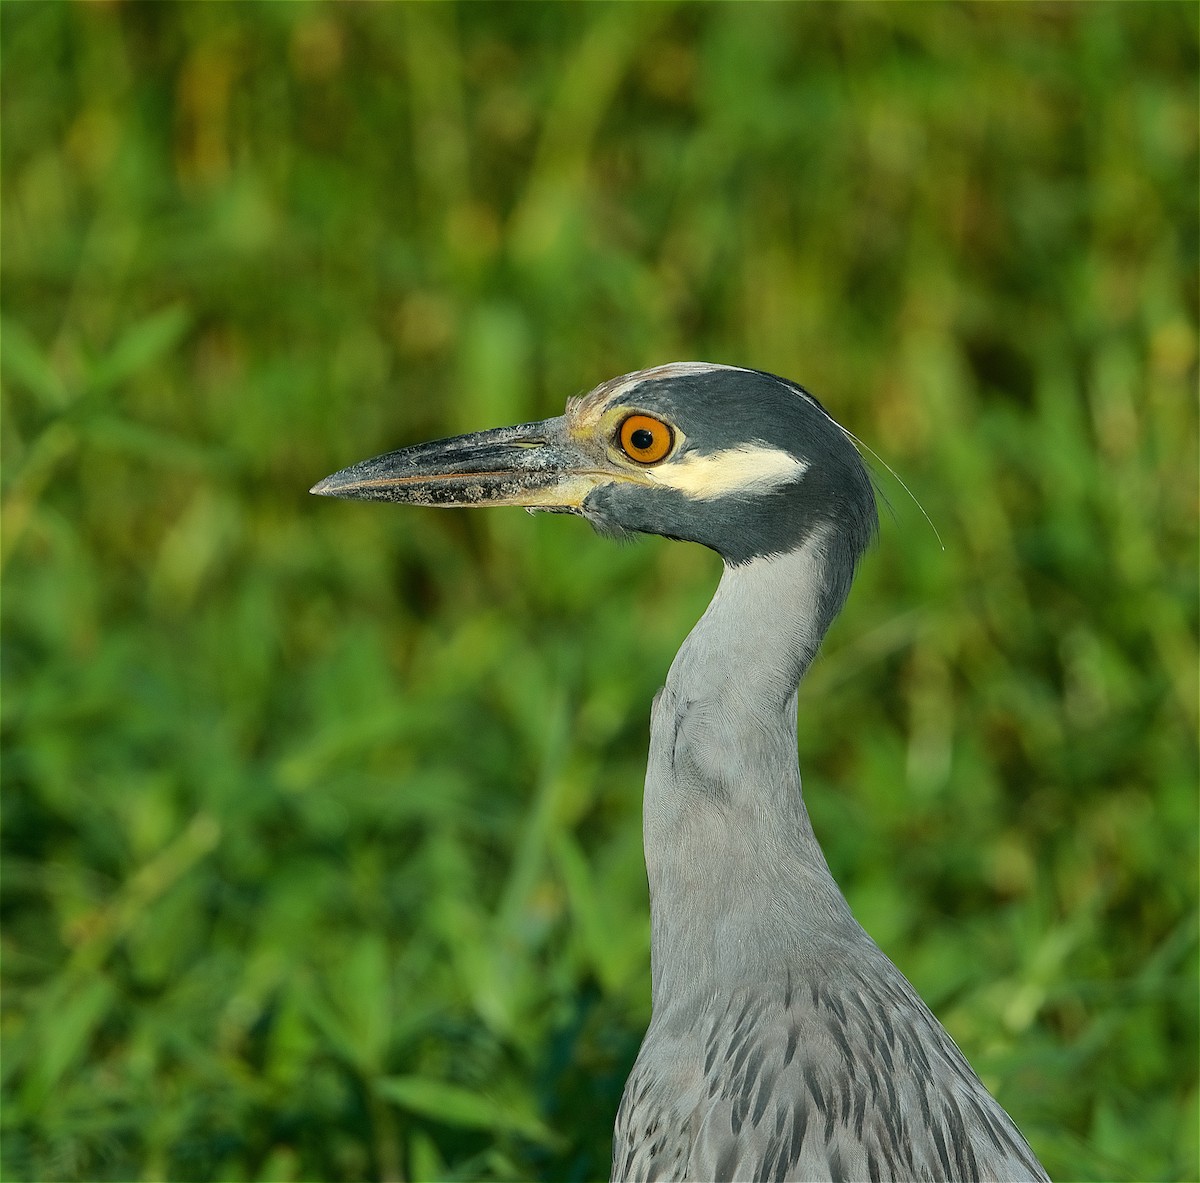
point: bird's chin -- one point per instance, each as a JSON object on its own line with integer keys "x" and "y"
{"x": 605, "y": 526}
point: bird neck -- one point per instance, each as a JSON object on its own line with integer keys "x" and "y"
{"x": 761, "y": 631}
{"x": 739, "y": 888}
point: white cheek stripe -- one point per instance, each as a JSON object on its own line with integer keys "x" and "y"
{"x": 750, "y": 468}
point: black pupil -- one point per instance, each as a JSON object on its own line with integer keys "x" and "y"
{"x": 642, "y": 439}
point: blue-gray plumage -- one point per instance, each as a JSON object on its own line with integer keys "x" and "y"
{"x": 783, "y": 1043}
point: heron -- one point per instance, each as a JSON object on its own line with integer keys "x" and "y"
{"x": 783, "y": 1043}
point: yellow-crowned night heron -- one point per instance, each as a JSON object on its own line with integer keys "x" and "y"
{"x": 783, "y": 1043}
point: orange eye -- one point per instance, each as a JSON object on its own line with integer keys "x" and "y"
{"x": 644, "y": 439}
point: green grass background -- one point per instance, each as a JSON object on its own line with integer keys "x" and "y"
{"x": 321, "y": 820}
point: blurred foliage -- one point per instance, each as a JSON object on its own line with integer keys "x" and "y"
{"x": 321, "y": 820}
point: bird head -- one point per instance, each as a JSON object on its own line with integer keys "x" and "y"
{"x": 741, "y": 461}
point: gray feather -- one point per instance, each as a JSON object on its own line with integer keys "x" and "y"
{"x": 784, "y": 1044}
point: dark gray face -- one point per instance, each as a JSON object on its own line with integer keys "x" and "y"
{"x": 765, "y": 466}
{"x": 737, "y": 460}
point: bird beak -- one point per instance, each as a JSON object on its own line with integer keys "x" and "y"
{"x": 537, "y": 465}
